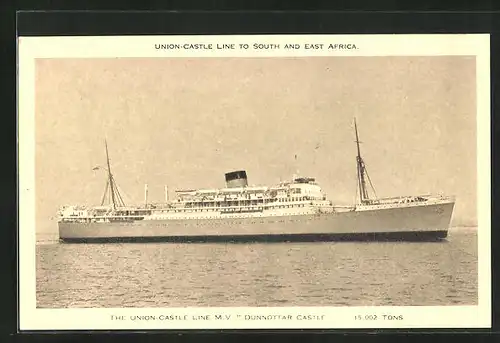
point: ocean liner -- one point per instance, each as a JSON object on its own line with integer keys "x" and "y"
{"x": 293, "y": 210}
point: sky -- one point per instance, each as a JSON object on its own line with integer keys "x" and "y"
{"x": 184, "y": 122}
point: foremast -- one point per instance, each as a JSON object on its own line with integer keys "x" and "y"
{"x": 114, "y": 193}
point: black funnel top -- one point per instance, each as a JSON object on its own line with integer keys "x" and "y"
{"x": 236, "y": 179}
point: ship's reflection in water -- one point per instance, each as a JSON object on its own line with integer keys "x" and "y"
{"x": 281, "y": 274}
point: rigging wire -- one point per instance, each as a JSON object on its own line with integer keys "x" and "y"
{"x": 105, "y": 192}
{"x": 125, "y": 194}
{"x": 117, "y": 193}
{"x": 371, "y": 184}
{"x": 356, "y": 191}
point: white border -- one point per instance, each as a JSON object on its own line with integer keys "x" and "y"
{"x": 31, "y": 318}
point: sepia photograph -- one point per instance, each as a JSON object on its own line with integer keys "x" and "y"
{"x": 256, "y": 181}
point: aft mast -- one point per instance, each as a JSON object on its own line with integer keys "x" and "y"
{"x": 362, "y": 172}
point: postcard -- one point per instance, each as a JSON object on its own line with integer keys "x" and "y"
{"x": 254, "y": 182}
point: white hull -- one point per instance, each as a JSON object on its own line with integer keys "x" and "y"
{"x": 404, "y": 222}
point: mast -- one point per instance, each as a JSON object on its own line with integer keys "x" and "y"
{"x": 114, "y": 192}
{"x": 363, "y": 193}
{"x": 110, "y": 178}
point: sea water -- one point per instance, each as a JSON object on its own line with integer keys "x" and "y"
{"x": 259, "y": 274}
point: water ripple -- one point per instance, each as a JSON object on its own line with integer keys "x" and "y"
{"x": 326, "y": 274}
